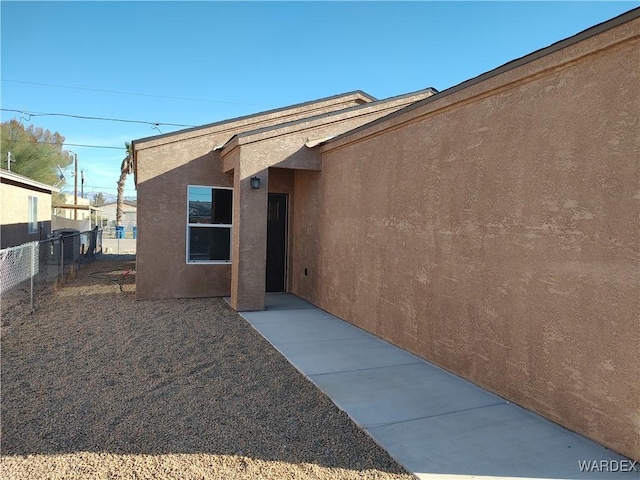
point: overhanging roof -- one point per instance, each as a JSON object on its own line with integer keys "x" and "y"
{"x": 365, "y": 97}
{"x": 245, "y": 135}
{"x": 26, "y": 182}
{"x": 278, "y": 115}
{"x": 71, "y": 206}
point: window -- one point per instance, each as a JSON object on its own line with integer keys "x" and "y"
{"x": 32, "y": 226}
{"x": 209, "y": 228}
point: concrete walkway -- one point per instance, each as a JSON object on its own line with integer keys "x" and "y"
{"x": 437, "y": 425}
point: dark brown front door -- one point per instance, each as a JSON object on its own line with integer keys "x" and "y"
{"x": 276, "y": 242}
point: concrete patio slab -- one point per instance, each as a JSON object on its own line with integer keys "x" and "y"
{"x": 294, "y": 326}
{"x": 371, "y": 396}
{"x": 503, "y": 441}
{"x": 434, "y": 423}
{"x": 328, "y": 356}
{"x": 292, "y": 316}
{"x": 286, "y": 301}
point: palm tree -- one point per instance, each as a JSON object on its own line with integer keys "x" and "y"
{"x": 125, "y": 169}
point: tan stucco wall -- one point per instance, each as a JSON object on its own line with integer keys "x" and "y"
{"x": 14, "y": 215}
{"x": 15, "y": 204}
{"x": 68, "y": 199}
{"x": 495, "y": 232}
{"x": 257, "y": 155}
{"x": 164, "y": 174}
{"x": 250, "y": 226}
{"x": 165, "y": 166}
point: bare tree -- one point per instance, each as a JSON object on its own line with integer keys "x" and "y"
{"x": 98, "y": 199}
{"x": 125, "y": 169}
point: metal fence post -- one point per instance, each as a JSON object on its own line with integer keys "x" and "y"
{"x": 76, "y": 252}
{"x": 61, "y": 242}
{"x": 33, "y": 273}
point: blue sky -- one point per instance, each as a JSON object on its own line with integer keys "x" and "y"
{"x": 193, "y": 63}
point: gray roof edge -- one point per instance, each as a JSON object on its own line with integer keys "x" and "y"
{"x": 17, "y": 178}
{"x": 257, "y": 114}
{"x": 512, "y": 64}
{"x": 131, "y": 203}
{"x": 278, "y": 126}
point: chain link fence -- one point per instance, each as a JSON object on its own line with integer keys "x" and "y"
{"x": 30, "y": 270}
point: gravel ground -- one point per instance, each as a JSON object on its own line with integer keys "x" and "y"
{"x": 98, "y": 385}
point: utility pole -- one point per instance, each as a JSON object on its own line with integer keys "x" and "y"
{"x": 9, "y": 160}
{"x": 82, "y": 183}
{"x": 75, "y": 188}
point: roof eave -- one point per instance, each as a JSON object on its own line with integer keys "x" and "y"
{"x": 511, "y": 65}
{"x": 17, "y": 178}
{"x": 355, "y": 93}
{"x": 250, "y": 135}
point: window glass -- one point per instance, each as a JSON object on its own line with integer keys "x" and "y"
{"x": 210, "y": 205}
{"x": 209, "y": 244}
{"x": 210, "y": 212}
{"x": 33, "y": 215}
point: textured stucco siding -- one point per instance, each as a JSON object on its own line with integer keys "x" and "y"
{"x": 258, "y": 154}
{"x": 164, "y": 173}
{"x": 496, "y": 233}
{"x": 165, "y": 166}
{"x": 14, "y": 215}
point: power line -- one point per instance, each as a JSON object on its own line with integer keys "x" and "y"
{"x": 92, "y": 146}
{"x": 71, "y": 144}
{"x": 93, "y": 188}
{"x": 109, "y": 188}
{"x": 116, "y": 92}
{"x": 83, "y": 117}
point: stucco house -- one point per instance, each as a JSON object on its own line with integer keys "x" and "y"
{"x": 64, "y": 208}
{"x": 129, "y": 214}
{"x": 25, "y": 209}
{"x": 173, "y": 172}
{"x": 491, "y": 228}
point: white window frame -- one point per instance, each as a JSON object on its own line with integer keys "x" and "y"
{"x": 32, "y": 225}
{"x": 205, "y": 225}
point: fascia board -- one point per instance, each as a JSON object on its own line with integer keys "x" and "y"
{"x": 26, "y": 181}
{"x": 266, "y": 133}
{"x": 215, "y": 127}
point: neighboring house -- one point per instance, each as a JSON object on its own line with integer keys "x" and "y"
{"x": 83, "y": 213}
{"x": 70, "y": 215}
{"x": 129, "y": 214}
{"x": 492, "y": 228}
{"x": 25, "y": 209}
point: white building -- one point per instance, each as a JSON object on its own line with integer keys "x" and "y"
{"x": 129, "y": 214}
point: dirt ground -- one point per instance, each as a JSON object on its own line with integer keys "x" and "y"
{"x": 97, "y": 385}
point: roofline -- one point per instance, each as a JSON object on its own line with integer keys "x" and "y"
{"x": 335, "y": 112}
{"x": 76, "y": 207}
{"x": 236, "y": 138}
{"x": 511, "y": 65}
{"x": 131, "y": 203}
{"x": 246, "y": 117}
{"x": 17, "y": 178}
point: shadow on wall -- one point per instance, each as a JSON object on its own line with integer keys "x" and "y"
{"x": 15, "y": 234}
{"x": 162, "y": 223}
